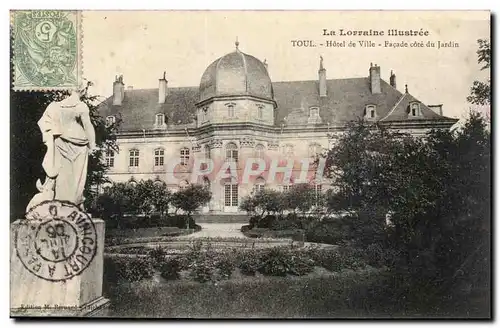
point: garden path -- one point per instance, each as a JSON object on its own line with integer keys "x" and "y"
{"x": 224, "y": 230}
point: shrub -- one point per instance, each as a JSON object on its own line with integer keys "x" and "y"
{"x": 157, "y": 254}
{"x": 302, "y": 264}
{"x": 170, "y": 268}
{"x": 202, "y": 268}
{"x": 128, "y": 269}
{"x": 225, "y": 266}
{"x": 249, "y": 262}
{"x": 276, "y": 262}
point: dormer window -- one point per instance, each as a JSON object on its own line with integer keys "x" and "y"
{"x": 230, "y": 109}
{"x": 160, "y": 120}
{"x": 110, "y": 120}
{"x": 414, "y": 109}
{"x": 314, "y": 112}
{"x": 370, "y": 112}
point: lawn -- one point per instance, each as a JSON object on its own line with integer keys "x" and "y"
{"x": 317, "y": 295}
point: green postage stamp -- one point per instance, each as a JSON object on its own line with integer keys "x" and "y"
{"x": 46, "y": 49}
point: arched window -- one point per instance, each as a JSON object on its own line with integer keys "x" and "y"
{"x": 231, "y": 152}
{"x": 110, "y": 120}
{"x": 110, "y": 158}
{"x": 133, "y": 158}
{"x": 314, "y": 112}
{"x": 230, "y": 109}
{"x": 132, "y": 182}
{"x": 260, "y": 111}
{"x": 185, "y": 156}
{"x": 314, "y": 150}
{"x": 259, "y": 185}
{"x": 260, "y": 150}
{"x": 159, "y": 157}
{"x": 160, "y": 119}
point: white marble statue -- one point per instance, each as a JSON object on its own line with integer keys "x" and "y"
{"x": 69, "y": 136}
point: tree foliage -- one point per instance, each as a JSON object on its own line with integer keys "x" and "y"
{"x": 436, "y": 192}
{"x": 191, "y": 198}
{"x": 480, "y": 93}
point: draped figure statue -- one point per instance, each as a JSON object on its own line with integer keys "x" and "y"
{"x": 69, "y": 136}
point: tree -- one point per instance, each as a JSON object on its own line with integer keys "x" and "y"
{"x": 190, "y": 199}
{"x": 437, "y": 191}
{"x": 300, "y": 197}
{"x": 481, "y": 91}
{"x": 153, "y": 197}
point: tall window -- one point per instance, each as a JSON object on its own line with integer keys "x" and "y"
{"x": 134, "y": 158}
{"x": 204, "y": 114}
{"x": 415, "y": 109}
{"x": 317, "y": 192}
{"x": 231, "y": 152}
{"x": 206, "y": 149}
{"x": 185, "y": 156}
{"x": 231, "y": 194}
{"x": 259, "y": 185}
{"x": 260, "y": 111}
{"x": 288, "y": 150}
{"x": 314, "y": 150}
{"x": 110, "y": 120}
{"x": 285, "y": 188}
{"x": 314, "y": 112}
{"x": 159, "y": 157}
{"x": 110, "y": 158}
{"x": 230, "y": 109}
{"x": 160, "y": 119}
{"x": 259, "y": 151}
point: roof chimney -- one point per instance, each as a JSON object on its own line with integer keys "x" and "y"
{"x": 162, "y": 89}
{"x": 118, "y": 90}
{"x": 374, "y": 78}
{"x": 438, "y": 109}
{"x": 392, "y": 80}
{"x": 322, "y": 78}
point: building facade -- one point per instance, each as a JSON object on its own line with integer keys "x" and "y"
{"x": 238, "y": 131}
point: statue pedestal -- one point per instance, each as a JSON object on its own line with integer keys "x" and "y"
{"x": 80, "y": 294}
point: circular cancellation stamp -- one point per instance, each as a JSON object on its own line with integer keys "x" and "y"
{"x": 56, "y": 241}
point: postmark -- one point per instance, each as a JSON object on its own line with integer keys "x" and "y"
{"x": 56, "y": 241}
{"x": 46, "y": 49}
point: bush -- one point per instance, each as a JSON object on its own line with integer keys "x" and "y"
{"x": 128, "y": 269}
{"x": 170, "y": 268}
{"x": 279, "y": 261}
{"x": 249, "y": 262}
{"x": 179, "y": 221}
{"x": 157, "y": 254}
{"x": 334, "y": 232}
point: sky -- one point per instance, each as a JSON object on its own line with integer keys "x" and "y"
{"x": 142, "y": 44}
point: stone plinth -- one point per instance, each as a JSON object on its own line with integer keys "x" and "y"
{"x": 78, "y": 291}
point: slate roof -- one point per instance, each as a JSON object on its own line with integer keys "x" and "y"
{"x": 345, "y": 101}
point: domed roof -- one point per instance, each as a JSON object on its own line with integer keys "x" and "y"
{"x": 236, "y": 74}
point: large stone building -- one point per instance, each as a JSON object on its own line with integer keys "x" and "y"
{"x": 206, "y": 134}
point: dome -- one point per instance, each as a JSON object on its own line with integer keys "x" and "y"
{"x": 236, "y": 74}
